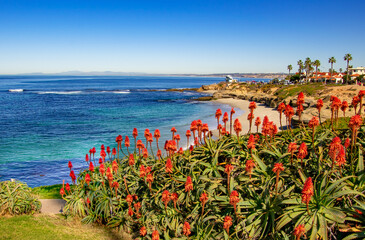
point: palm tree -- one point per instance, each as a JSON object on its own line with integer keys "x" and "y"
{"x": 331, "y": 60}
{"x": 290, "y": 67}
{"x": 307, "y": 65}
{"x": 300, "y": 64}
{"x": 347, "y": 58}
{"x": 316, "y": 63}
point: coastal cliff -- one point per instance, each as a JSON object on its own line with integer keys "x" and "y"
{"x": 272, "y": 95}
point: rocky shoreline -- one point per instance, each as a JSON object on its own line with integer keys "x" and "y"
{"x": 268, "y": 95}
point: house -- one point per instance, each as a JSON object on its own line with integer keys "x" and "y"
{"x": 358, "y": 70}
{"x": 229, "y": 79}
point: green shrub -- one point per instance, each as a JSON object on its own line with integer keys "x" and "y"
{"x": 17, "y": 198}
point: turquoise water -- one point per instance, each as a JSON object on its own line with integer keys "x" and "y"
{"x": 53, "y": 120}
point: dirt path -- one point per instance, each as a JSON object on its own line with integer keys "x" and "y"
{"x": 52, "y": 206}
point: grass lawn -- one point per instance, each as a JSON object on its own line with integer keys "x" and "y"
{"x": 48, "y": 192}
{"x": 52, "y": 227}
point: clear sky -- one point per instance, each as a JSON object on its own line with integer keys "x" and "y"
{"x": 168, "y": 36}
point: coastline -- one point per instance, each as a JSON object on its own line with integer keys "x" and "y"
{"x": 261, "y": 111}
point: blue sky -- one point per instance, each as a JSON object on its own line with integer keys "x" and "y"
{"x": 177, "y": 36}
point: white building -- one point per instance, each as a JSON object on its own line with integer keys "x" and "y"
{"x": 358, "y": 70}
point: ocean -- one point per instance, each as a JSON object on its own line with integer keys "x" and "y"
{"x": 47, "y": 121}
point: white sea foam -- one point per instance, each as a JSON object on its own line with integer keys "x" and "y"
{"x": 16, "y": 90}
{"x": 60, "y": 92}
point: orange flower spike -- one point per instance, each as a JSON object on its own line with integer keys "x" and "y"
{"x": 173, "y": 130}
{"x": 149, "y": 180}
{"x": 237, "y": 127}
{"x": 143, "y": 231}
{"x": 129, "y": 199}
{"x": 127, "y": 142}
{"x": 186, "y": 229}
{"x": 155, "y": 235}
{"x": 174, "y": 197}
{"x": 225, "y": 118}
{"x": 137, "y": 206}
{"x": 159, "y": 154}
{"x": 102, "y": 169}
{"x": 68, "y": 189}
{"x": 145, "y": 153}
{"x": 250, "y": 164}
{"x": 115, "y": 166}
{"x": 302, "y": 153}
{"x": 278, "y": 167}
{"x": 131, "y": 160}
{"x": 166, "y": 198}
{"x": 135, "y": 133}
{"x": 87, "y": 179}
{"x": 62, "y": 192}
{"x": 251, "y": 143}
{"x": 203, "y": 199}
{"x": 142, "y": 171}
{"x": 299, "y": 231}
{"x": 227, "y": 224}
{"x": 344, "y": 107}
{"x": 188, "y": 184}
{"x": 233, "y": 200}
{"x": 168, "y": 166}
{"x": 307, "y": 192}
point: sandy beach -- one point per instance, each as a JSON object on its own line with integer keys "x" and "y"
{"x": 261, "y": 111}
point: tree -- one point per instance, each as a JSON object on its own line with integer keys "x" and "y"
{"x": 340, "y": 70}
{"x": 290, "y": 67}
{"x": 300, "y": 65}
{"x": 317, "y": 63}
{"x": 347, "y": 58}
{"x": 331, "y": 60}
{"x": 307, "y": 65}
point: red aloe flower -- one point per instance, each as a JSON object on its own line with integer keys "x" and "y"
{"x": 70, "y": 165}
{"x": 130, "y": 212}
{"x": 278, "y": 167}
{"x": 252, "y": 106}
{"x": 115, "y": 185}
{"x": 149, "y": 179}
{"x": 344, "y": 107}
{"x": 227, "y": 223}
{"x": 188, "y": 184}
{"x": 218, "y": 114}
{"x": 114, "y": 152}
{"x": 361, "y": 95}
{"x": 257, "y": 123}
{"x": 203, "y": 199}
{"x": 131, "y": 160}
{"x": 231, "y": 118}
{"x": 168, "y": 166}
{"x": 250, "y": 164}
{"x": 159, "y": 154}
{"x": 355, "y": 102}
{"x": 307, "y": 192}
{"x": 314, "y": 122}
{"x": 173, "y": 130}
{"x": 143, "y": 231}
{"x": 166, "y": 198}
{"x": 186, "y": 229}
{"x": 251, "y": 143}
{"x": 341, "y": 157}
{"x": 302, "y": 153}
{"x": 115, "y": 166}
{"x": 135, "y": 133}
{"x": 155, "y": 235}
{"x": 237, "y": 127}
{"x": 137, "y": 206}
{"x": 289, "y": 113}
{"x": 145, "y": 153}
{"x": 87, "y": 157}
{"x": 127, "y": 142}
{"x": 91, "y": 167}
{"x": 62, "y": 192}
{"x": 225, "y": 119}
{"x": 102, "y": 148}
{"x": 68, "y": 189}
{"x": 319, "y": 106}
{"x": 250, "y": 117}
{"x": 100, "y": 160}
{"x": 103, "y": 155}
{"x": 299, "y": 231}
{"x": 174, "y": 197}
{"x": 347, "y": 143}
{"x": 228, "y": 170}
{"x": 109, "y": 175}
{"x": 233, "y": 200}
{"x": 102, "y": 169}
{"x": 142, "y": 171}
{"x": 73, "y": 177}
{"x": 129, "y": 200}
{"x": 108, "y": 150}
{"x": 87, "y": 179}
